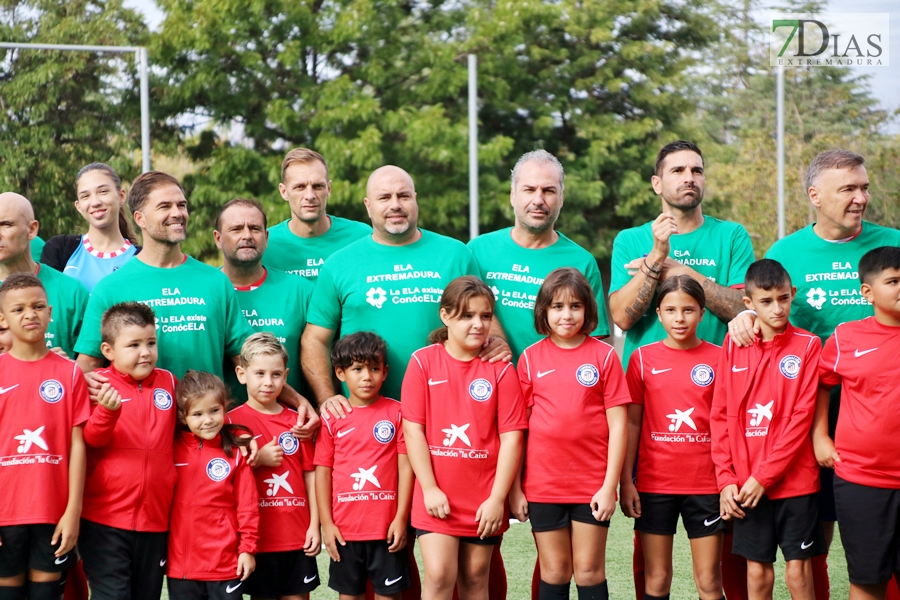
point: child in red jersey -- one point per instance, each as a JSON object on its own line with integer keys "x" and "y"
{"x": 861, "y": 356}
{"x": 43, "y": 406}
{"x": 131, "y": 475}
{"x": 762, "y": 414}
{"x": 363, "y": 478}
{"x": 285, "y": 478}
{"x": 462, "y": 420}
{"x": 671, "y": 384}
{"x": 575, "y": 394}
{"x": 215, "y": 519}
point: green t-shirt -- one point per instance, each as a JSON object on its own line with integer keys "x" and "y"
{"x": 719, "y": 250}
{"x": 391, "y": 290}
{"x": 198, "y": 318}
{"x": 825, "y": 275}
{"x": 68, "y": 299}
{"x": 37, "y": 246}
{"x": 304, "y": 256}
{"x": 278, "y": 306}
{"x": 515, "y": 274}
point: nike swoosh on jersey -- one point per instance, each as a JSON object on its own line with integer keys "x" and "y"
{"x": 341, "y": 434}
{"x": 4, "y": 390}
{"x": 432, "y": 382}
{"x": 539, "y": 374}
{"x": 707, "y": 522}
{"x": 657, "y": 372}
{"x": 392, "y": 581}
{"x": 857, "y": 353}
{"x": 231, "y": 588}
{"x": 736, "y": 369}
{"x": 307, "y": 579}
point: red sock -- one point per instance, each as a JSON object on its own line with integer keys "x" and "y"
{"x": 734, "y": 572}
{"x": 497, "y": 576}
{"x": 637, "y": 564}
{"x": 536, "y": 581}
{"x": 893, "y": 593}
{"x": 820, "y": 577}
{"x": 76, "y": 584}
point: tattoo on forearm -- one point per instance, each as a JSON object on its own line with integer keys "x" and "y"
{"x": 642, "y": 301}
{"x": 722, "y": 301}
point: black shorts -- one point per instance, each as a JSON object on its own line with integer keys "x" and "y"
{"x": 28, "y": 547}
{"x": 488, "y": 541}
{"x": 789, "y": 523}
{"x": 827, "y": 511}
{"x": 122, "y": 564}
{"x": 870, "y": 527}
{"x": 388, "y": 571}
{"x": 188, "y": 589}
{"x": 545, "y": 516}
{"x": 699, "y": 513}
{"x": 282, "y": 574}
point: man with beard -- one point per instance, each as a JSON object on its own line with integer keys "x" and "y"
{"x": 681, "y": 240}
{"x": 301, "y": 244}
{"x": 199, "y": 320}
{"x": 270, "y": 299}
{"x": 514, "y": 261}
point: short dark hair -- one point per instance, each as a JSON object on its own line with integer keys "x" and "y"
{"x": 672, "y": 148}
{"x": 574, "y": 282}
{"x": 145, "y": 184}
{"x": 765, "y": 274}
{"x": 122, "y": 315}
{"x": 831, "y": 159}
{"x": 363, "y": 347}
{"x": 875, "y": 261}
{"x": 248, "y": 202}
{"x": 20, "y": 281}
{"x": 681, "y": 283}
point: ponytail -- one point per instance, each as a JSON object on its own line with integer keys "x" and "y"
{"x": 234, "y": 435}
{"x": 125, "y": 227}
{"x": 438, "y": 336}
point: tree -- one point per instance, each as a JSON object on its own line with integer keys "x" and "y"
{"x": 62, "y": 110}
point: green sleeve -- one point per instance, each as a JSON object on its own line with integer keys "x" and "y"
{"x": 80, "y": 299}
{"x": 596, "y": 281}
{"x": 89, "y": 337}
{"x": 237, "y": 327}
{"x": 325, "y": 305}
{"x": 471, "y": 266}
{"x": 741, "y": 256}
{"x": 473, "y": 246}
{"x": 623, "y": 253}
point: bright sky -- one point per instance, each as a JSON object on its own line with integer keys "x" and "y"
{"x": 885, "y": 81}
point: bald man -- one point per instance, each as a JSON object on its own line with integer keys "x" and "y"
{"x": 68, "y": 298}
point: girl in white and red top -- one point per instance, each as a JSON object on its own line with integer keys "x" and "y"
{"x": 575, "y": 392}
{"x": 462, "y": 420}
{"x": 671, "y": 384}
{"x": 215, "y": 519}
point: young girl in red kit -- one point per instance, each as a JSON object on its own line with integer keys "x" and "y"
{"x": 671, "y": 384}
{"x": 215, "y": 518}
{"x": 575, "y": 391}
{"x": 462, "y": 420}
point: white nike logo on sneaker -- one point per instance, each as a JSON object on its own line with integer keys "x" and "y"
{"x": 162, "y": 563}
{"x": 707, "y": 522}
{"x": 657, "y": 372}
{"x": 308, "y": 579}
{"x": 736, "y": 369}
{"x": 432, "y": 382}
{"x": 341, "y": 434}
{"x": 231, "y": 588}
{"x": 392, "y": 581}
{"x": 4, "y": 390}
{"x": 805, "y": 545}
{"x": 539, "y": 374}
{"x": 857, "y": 353}
{"x": 60, "y": 561}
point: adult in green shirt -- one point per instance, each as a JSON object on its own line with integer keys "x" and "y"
{"x": 271, "y": 300}
{"x": 389, "y": 283}
{"x": 67, "y": 296}
{"x": 199, "y": 320}
{"x": 37, "y": 246}
{"x": 680, "y": 241}
{"x": 301, "y": 244}
{"x": 514, "y": 261}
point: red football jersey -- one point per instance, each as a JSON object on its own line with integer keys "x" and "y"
{"x": 676, "y": 389}
{"x": 362, "y": 451}
{"x": 858, "y": 356}
{"x": 283, "y": 503}
{"x": 464, "y": 406}
{"x": 568, "y": 391}
{"x": 40, "y": 403}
